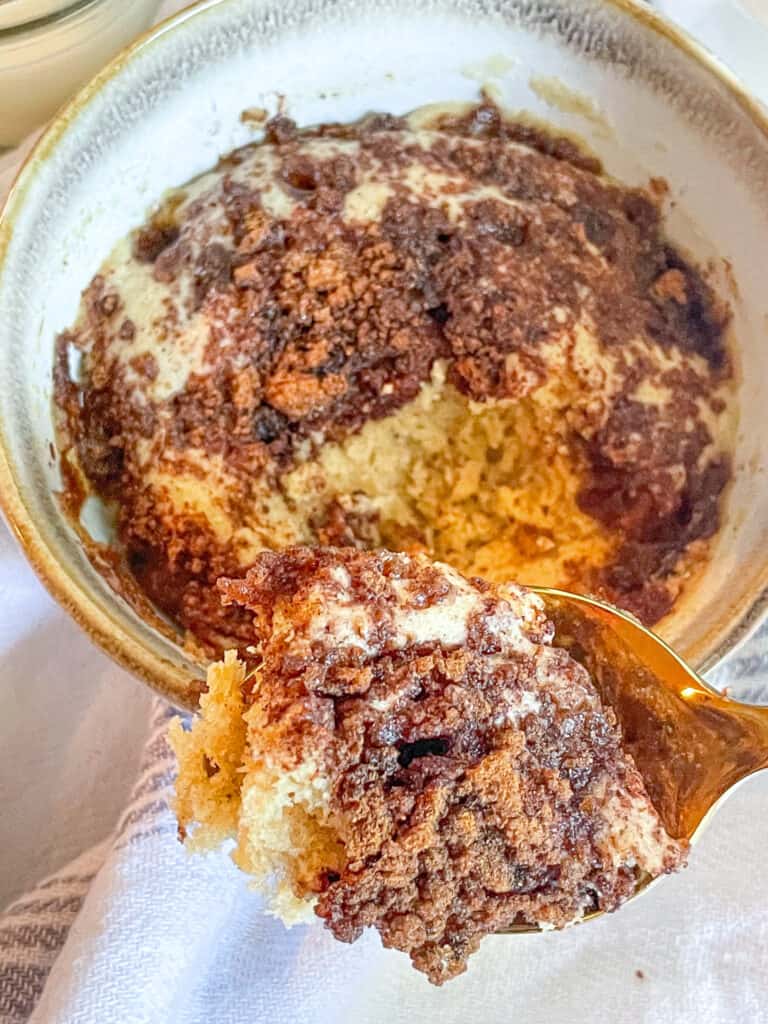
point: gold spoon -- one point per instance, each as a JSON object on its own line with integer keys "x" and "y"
{"x": 691, "y": 744}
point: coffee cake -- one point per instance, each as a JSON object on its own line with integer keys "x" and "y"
{"x": 411, "y": 753}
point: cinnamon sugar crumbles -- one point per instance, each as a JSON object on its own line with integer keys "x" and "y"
{"x": 413, "y": 754}
{"x": 447, "y": 333}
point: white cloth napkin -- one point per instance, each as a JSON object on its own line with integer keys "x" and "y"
{"x": 132, "y": 930}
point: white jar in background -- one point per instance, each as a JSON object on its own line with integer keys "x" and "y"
{"x": 48, "y": 48}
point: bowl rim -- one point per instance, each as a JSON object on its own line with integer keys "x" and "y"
{"x": 103, "y": 628}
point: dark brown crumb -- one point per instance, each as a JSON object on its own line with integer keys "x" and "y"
{"x": 153, "y": 240}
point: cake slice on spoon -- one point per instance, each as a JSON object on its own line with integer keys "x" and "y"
{"x": 406, "y": 749}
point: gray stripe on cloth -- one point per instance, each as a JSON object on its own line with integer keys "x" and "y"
{"x": 64, "y": 880}
{"x": 32, "y": 934}
{"x": 34, "y": 929}
{"x": 157, "y": 744}
{"x": 156, "y": 781}
{"x": 156, "y": 750}
{"x": 153, "y": 809}
{"x": 745, "y": 672}
{"x": 20, "y": 988}
{"x": 49, "y": 938}
{"x": 54, "y": 905}
{"x": 150, "y": 833}
{"x": 158, "y": 771}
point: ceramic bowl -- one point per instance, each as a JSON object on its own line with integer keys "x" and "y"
{"x": 647, "y": 99}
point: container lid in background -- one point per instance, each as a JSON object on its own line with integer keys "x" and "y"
{"x": 50, "y": 48}
{"x": 16, "y": 13}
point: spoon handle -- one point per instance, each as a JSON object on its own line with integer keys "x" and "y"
{"x": 690, "y": 742}
{"x": 727, "y": 743}
{"x": 754, "y": 719}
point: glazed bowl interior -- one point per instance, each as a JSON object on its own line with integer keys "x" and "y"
{"x": 645, "y": 100}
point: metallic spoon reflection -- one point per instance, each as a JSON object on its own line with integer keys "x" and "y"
{"x": 691, "y": 744}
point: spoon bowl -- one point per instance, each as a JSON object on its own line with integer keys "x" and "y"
{"x": 691, "y": 744}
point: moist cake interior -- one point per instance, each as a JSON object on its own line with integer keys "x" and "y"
{"x": 447, "y": 333}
